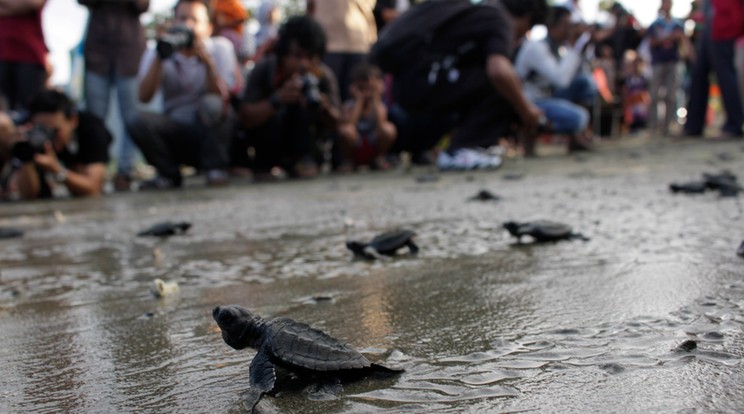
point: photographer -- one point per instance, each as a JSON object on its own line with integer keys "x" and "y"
{"x": 60, "y": 146}
{"x": 194, "y": 73}
{"x": 291, "y": 100}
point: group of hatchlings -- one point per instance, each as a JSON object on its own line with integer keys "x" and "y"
{"x": 302, "y": 349}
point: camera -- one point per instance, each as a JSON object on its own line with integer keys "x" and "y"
{"x": 177, "y": 37}
{"x": 36, "y": 137}
{"x": 311, "y": 89}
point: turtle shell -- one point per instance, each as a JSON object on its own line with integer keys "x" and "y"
{"x": 166, "y": 228}
{"x": 389, "y": 242}
{"x": 544, "y": 230}
{"x": 9, "y": 233}
{"x": 297, "y": 344}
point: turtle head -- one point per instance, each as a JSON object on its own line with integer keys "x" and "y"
{"x": 356, "y": 247}
{"x": 240, "y": 328}
{"x": 512, "y": 227}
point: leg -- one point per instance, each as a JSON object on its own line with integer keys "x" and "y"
{"x": 657, "y": 73}
{"x": 165, "y": 144}
{"x": 126, "y": 91}
{"x": 30, "y": 80}
{"x": 697, "y": 101}
{"x": 723, "y": 63}
{"x": 670, "y": 97}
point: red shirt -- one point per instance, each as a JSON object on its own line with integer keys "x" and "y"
{"x": 22, "y": 40}
{"x": 728, "y": 19}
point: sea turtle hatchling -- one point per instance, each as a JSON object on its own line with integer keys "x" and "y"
{"x": 9, "y": 233}
{"x": 292, "y": 345}
{"x": 166, "y": 228}
{"x": 385, "y": 244}
{"x": 485, "y": 195}
{"x": 542, "y": 231}
{"x": 740, "y": 250}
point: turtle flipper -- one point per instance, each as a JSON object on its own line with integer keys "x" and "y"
{"x": 412, "y": 247}
{"x": 578, "y": 236}
{"x": 262, "y": 379}
{"x": 372, "y": 253}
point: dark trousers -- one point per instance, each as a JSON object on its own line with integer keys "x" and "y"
{"x": 20, "y": 82}
{"x": 481, "y": 115}
{"x": 290, "y": 135}
{"x": 167, "y": 144}
{"x": 715, "y": 56}
{"x": 342, "y": 64}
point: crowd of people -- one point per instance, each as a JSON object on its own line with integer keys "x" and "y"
{"x": 349, "y": 84}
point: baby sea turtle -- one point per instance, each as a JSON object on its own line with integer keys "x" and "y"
{"x": 740, "y": 250}
{"x": 485, "y": 195}
{"x": 9, "y": 233}
{"x": 542, "y": 231}
{"x": 291, "y": 345}
{"x": 166, "y": 228}
{"x": 724, "y": 182}
{"x": 692, "y": 187}
{"x": 686, "y": 346}
{"x": 386, "y": 244}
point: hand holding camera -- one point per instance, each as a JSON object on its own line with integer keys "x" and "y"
{"x": 176, "y": 38}
{"x": 38, "y": 140}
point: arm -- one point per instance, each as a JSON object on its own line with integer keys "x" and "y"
{"x": 15, "y": 7}
{"x": 537, "y": 57}
{"x": 150, "y": 83}
{"x": 504, "y": 79}
{"x": 86, "y": 180}
{"x": 258, "y": 112}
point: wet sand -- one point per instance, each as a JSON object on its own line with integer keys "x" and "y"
{"x": 479, "y": 323}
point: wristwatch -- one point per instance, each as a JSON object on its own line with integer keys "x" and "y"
{"x": 61, "y": 176}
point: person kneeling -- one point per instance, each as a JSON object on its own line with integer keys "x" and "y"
{"x": 366, "y": 134}
{"x": 60, "y": 146}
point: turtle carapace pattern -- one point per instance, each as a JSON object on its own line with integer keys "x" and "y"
{"x": 166, "y": 228}
{"x": 288, "y": 344}
{"x": 542, "y": 231}
{"x": 386, "y": 244}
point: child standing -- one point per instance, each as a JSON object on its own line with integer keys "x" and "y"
{"x": 665, "y": 36}
{"x": 366, "y": 133}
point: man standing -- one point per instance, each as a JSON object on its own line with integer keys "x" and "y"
{"x": 114, "y": 43}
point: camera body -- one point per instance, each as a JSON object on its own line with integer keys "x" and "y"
{"x": 177, "y": 37}
{"x": 311, "y": 89}
{"x": 36, "y": 137}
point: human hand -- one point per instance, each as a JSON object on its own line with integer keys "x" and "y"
{"x": 532, "y": 119}
{"x": 291, "y": 90}
{"x": 48, "y": 160}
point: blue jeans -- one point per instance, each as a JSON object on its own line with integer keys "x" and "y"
{"x": 565, "y": 117}
{"x": 582, "y": 90}
{"x": 97, "y": 97}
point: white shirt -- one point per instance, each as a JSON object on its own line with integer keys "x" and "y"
{"x": 184, "y": 79}
{"x": 541, "y": 72}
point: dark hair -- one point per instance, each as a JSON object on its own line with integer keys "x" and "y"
{"x": 365, "y": 71}
{"x": 556, "y": 14}
{"x": 51, "y": 101}
{"x": 206, "y": 3}
{"x": 304, "y": 31}
{"x": 536, "y": 9}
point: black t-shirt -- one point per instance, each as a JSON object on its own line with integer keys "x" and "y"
{"x": 486, "y": 25}
{"x": 90, "y": 144}
{"x": 263, "y": 81}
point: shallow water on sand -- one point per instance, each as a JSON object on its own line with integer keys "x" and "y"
{"x": 479, "y": 323}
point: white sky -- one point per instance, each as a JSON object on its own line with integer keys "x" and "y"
{"x": 64, "y": 23}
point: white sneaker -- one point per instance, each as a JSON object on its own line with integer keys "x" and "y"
{"x": 469, "y": 159}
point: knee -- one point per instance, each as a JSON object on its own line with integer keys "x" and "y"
{"x": 7, "y": 135}
{"x": 211, "y": 109}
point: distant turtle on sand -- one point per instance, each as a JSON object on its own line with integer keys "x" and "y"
{"x": 692, "y": 187}
{"x": 166, "y": 228}
{"x": 9, "y": 233}
{"x": 740, "y": 250}
{"x": 542, "y": 231}
{"x": 285, "y": 343}
{"x": 485, "y": 195}
{"x": 386, "y": 244}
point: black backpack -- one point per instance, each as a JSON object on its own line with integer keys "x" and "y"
{"x": 407, "y": 39}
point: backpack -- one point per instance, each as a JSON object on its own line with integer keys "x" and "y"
{"x": 407, "y": 38}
